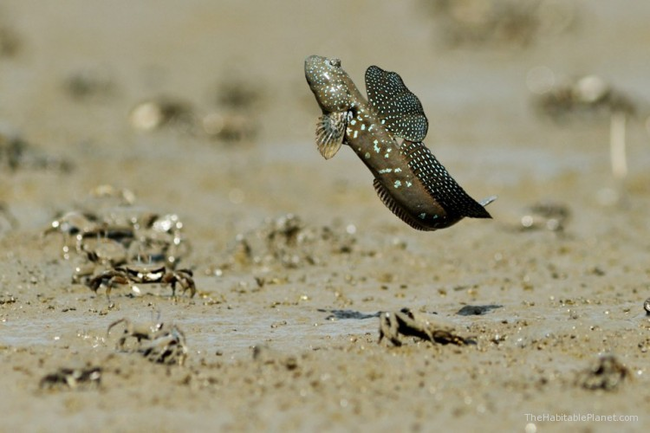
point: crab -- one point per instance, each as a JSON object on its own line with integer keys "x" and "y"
{"x": 101, "y": 254}
{"x": 164, "y": 345}
{"x": 168, "y": 347}
{"x": 72, "y": 378}
{"x": 138, "y": 331}
{"x": 606, "y": 373}
{"x": 87, "y": 232}
{"x": 144, "y": 274}
{"x": 549, "y": 215}
{"x": 404, "y": 322}
{"x": 74, "y": 225}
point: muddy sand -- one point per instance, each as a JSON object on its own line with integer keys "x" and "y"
{"x": 293, "y": 257}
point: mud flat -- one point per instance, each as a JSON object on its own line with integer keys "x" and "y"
{"x": 207, "y": 117}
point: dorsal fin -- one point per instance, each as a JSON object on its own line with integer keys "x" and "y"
{"x": 396, "y": 208}
{"x": 400, "y": 110}
{"x": 439, "y": 183}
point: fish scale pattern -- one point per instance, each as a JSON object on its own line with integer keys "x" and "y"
{"x": 442, "y": 187}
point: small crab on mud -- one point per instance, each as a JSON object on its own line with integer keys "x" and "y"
{"x": 405, "y": 323}
{"x": 136, "y": 233}
{"x": 144, "y": 274}
{"x": 74, "y": 225}
{"x": 134, "y": 330}
{"x": 164, "y": 344}
{"x": 72, "y": 378}
{"x": 549, "y": 215}
{"x": 606, "y": 373}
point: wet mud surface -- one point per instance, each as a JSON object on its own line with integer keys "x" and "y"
{"x": 194, "y": 150}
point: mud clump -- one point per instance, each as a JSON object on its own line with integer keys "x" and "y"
{"x": 17, "y": 154}
{"x": 584, "y": 98}
{"x": 233, "y": 121}
{"x": 10, "y": 42}
{"x": 287, "y": 242}
{"x": 95, "y": 84}
{"x": 498, "y": 24}
{"x": 163, "y": 112}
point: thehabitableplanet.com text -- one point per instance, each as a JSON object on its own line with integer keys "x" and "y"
{"x": 580, "y": 417}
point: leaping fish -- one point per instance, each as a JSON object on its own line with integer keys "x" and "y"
{"x": 408, "y": 178}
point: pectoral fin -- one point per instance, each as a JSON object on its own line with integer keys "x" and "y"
{"x": 330, "y": 133}
{"x": 396, "y": 208}
{"x": 399, "y": 110}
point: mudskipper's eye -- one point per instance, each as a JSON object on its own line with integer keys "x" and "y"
{"x": 335, "y": 62}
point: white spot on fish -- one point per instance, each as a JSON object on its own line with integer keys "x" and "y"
{"x": 398, "y": 170}
{"x": 363, "y": 126}
{"x": 397, "y": 184}
{"x": 423, "y": 216}
{"x": 367, "y": 155}
{"x": 385, "y": 170}
{"x": 353, "y": 122}
{"x": 356, "y": 133}
{"x": 409, "y": 184}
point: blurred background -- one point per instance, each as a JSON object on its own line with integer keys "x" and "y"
{"x": 518, "y": 93}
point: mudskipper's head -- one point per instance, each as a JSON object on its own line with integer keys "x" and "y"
{"x": 330, "y": 83}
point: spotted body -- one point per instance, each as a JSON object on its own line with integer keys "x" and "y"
{"x": 408, "y": 178}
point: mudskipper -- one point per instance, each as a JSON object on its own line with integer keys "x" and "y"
{"x": 408, "y": 178}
